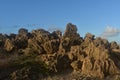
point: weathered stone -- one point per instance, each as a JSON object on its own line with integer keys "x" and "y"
{"x": 99, "y": 41}
{"x": 8, "y": 45}
{"x": 22, "y": 31}
{"x": 89, "y": 36}
{"x": 113, "y": 45}
{"x": 56, "y": 35}
{"x": 41, "y": 35}
{"x": 89, "y": 56}
{"x": 63, "y": 63}
{"x": 34, "y": 47}
{"x": 76, "y": 65}
{"x": 21, "y": 42}
{"x": 51, "y": 46}
{"x": 70, "y": 30}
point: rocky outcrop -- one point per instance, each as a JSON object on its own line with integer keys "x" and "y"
{"x": 70, "y": 37}
{"x": 51, "y": 46}
{"x": 34, "y": 47}
{"x": 89, "y": 56}
{"x": 8, "y": 45}
{"x": 23, "y": 31}
{"x": 41, "y": 35}
{"x": 89, "y": 36}
{"x": 71, "y": 30}
{"x": 114, "y": 45}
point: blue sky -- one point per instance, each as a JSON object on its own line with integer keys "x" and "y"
{"x": 92, "y": 16}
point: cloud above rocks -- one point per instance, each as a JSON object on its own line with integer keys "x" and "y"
{"x": 110, "y": 32}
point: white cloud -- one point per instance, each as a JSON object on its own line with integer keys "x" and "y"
{"x": 110, "y": 32}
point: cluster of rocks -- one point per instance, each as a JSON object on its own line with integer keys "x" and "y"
{"x": 95, "y": 57}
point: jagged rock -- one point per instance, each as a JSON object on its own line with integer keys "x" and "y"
{"x": 34, "y": 47}
{"x": 22, "y": 31}
{"x": 70, "y": 30}
{"x": 76, "y": 54}
{"x": 99, "y": 41}
{"x": 8, "y": 45}
{"x": 41, "y": 35}
{"x": 72, "y": 35}
{"x": 90, "y": 56}
{"x": 98, "y": 59}
{"x": 63, "y": 62}
{"x": 51, "y": 46}
{"x": 113, "y": 45}
{"x": 56, "y": 34}
{"x": 106, "y": 43}
{"x": 61, "y": 50}
{"x": 12, "y": 36}
{"x": 66, "y": 44}
{"x": 29, "y": 35}
{"x": 21, "y": 40}
{"x": 1, "y": 40}
{"x": 89, "y": 36}
{"x": 76, "y": 65}
{"x": 21, "y": 43}
{"x": 99, "y": 68}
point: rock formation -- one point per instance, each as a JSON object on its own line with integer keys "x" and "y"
{"x": 90, "y": 56}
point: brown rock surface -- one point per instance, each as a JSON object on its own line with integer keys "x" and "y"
{"x": 88, "y": 56}
{"x": 8, "y": 45}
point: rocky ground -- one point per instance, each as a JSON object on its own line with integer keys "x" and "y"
{"x": 43, "y": 55}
